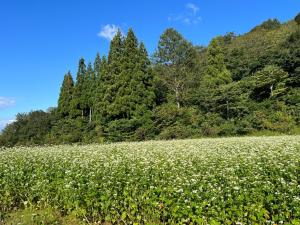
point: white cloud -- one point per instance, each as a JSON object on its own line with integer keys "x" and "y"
{"x": 188, "y": 17}
{"x": 109, "y": 31}
{"x": 192, "y": 7}
{"x": 6, "y": 102}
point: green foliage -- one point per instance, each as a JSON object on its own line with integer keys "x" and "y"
{"x": 273, "y": 116}
{"x": 172, "y": 122}
{"x": 234, "y": 86}
{"x": 97, "y": 65}
{"x": 28, "y": 129}
{"x": 131, "y": 93}
{"x": 78, "y": 101}
{"x": 112, "y": 78}
{"x": 90, "y": 86}
{"x": 297, "y": 19}
{"x": 216, "y": 72}
{"x": 270, "y": 24}
{"x": 134, "y": 85}
{"x": 66, "y": 95}
{"x": 66, "y": 131}
{"x": 251, "y": 52}
{"x": 101, "y": 93}
{"x": 115, "y": 53}
{"x": 175, "y": 59}
{"x": 269, "y": 83}
{"x": 290, "y": 58}
{"x": 214, "y": 75}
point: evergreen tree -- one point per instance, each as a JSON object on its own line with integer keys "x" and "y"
{"x": 187, "y": 92}
{"x": 78, "y": 101}
{"x": 123, "y": 105}
{"x": 145, "y": 80}
{"x": 103, "y": 92}
{"x": 135, "y": 94}
{"x": 135, "y": 83}
{"x": 97, "y": 64}
{"x": 65, "y": 96}
{"x": 89, "y": 90}
{"x": 115, "y": 53}
{"x": 114, "y": 69}
{"x": 102, "y": 101}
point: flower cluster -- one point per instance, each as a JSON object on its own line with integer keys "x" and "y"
{"x": 252, "y": 180}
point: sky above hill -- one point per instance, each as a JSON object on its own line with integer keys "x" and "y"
{"x": 41, "y": 40}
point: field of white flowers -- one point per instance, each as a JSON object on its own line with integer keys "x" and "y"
{"x": 252, "y": 180}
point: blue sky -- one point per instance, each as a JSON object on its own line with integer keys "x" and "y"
{"x": 41, "y": 40}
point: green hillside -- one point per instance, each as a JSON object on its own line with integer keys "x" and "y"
{"x": 245, "y": 84}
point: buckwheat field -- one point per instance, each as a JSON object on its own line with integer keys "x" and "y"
{"x": 252, "y": 180}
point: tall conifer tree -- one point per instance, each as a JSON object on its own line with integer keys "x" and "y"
{"x": 115, "y": 53}
{"x": 78, "y": 101}
{"x": 144, "y": 91}
{"x": 122, "y": 106}
{"x": 97, "y": 64}
{"x": 89, "y": 90}
{"x": 134, "y": 94}
{"x": 114, "y": 69}
{"x": 65, "y": 96}
{"x": 101, "y": 100}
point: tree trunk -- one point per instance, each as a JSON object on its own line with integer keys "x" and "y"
{"x": 177, "y": 98}
{"x": 227, "y": 110}
{"x": 90, "y": 116}
{"x": 271, "y": 89}
{"x": 177, "y": 93}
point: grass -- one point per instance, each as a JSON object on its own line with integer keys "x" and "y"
{"x": 46, "y": 216}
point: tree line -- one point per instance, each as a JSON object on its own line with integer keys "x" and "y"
{"x": 238, "y": 85}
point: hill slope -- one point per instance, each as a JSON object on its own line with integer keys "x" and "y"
{"x": 238, "y": 85}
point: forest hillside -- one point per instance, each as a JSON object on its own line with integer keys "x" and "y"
{"x": 237, "y": 85}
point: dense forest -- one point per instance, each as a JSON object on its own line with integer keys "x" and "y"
{"x": 238, "y": 85}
